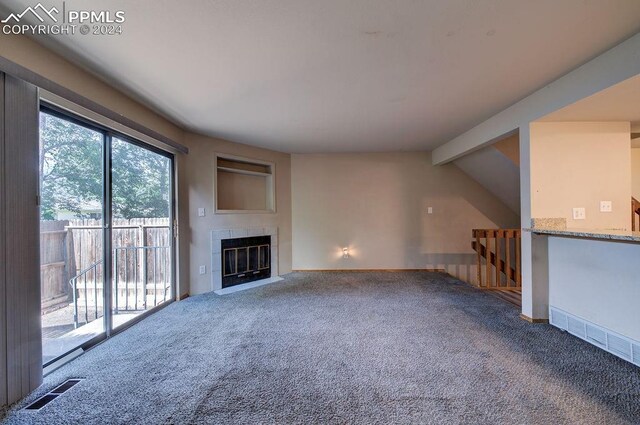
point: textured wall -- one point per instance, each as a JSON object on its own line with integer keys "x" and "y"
{"x": 376, "y": 204}
{"x": 196, "y": 180}
{"x": 579, "y": 164}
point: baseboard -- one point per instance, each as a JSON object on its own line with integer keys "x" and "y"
{"x": 183, "y": 296}
{"x": 531, "y": 320}
{"x": 369, "y": 270}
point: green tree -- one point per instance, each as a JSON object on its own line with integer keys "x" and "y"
{"x": 70, "y": 167}
{"x": 71, "y": 173}
{"x": 141, "y": 185}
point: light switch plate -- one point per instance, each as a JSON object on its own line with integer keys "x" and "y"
{"x": 430, "y": 210}
{"x": 203, "y": 269}
{"x": 579, "y": 214}
{"x": 606, "y": 206}
{"x": 201, "y": 212}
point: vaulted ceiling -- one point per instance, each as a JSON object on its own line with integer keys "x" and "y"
{"x": 335, "y": 75}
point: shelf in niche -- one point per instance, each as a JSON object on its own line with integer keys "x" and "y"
{"x": 244, "y": 185}
{"x": 247, "y": 172}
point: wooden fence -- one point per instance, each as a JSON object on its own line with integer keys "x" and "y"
{"x": 70, "y": 246}
{"x": 57, "y": 263}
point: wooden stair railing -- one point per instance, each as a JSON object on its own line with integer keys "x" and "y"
{"x": 635, "y": 214}
{"x": 501, "y": 254}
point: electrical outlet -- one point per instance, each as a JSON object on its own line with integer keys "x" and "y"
{"x": 606, "y": 206}
{"x": 579, "y": 214}
{"x": 203, "y": 269}
{"x": 430, "y": 210}
{"x": 201, "y": 212}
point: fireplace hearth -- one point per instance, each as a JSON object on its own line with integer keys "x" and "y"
{"x": 245, "y": 260}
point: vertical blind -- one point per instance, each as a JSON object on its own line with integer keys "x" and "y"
{"x": 20, "y": 338}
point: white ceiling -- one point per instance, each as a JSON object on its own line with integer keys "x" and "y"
{"x": 336, "y": 75}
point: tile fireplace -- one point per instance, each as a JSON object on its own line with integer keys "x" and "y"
{"x": 246, "y": 259}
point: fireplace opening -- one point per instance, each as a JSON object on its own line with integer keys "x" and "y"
{"x": 245, "y": 260}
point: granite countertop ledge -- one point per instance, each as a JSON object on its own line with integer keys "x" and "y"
{"x": 614, "y": 235}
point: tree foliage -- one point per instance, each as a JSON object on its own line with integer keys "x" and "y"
{"x": 141, "y": 186}
{"x": 71, "y": 173}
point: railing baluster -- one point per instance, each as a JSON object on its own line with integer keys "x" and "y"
{"x": 484, "y": 278}
{"x": 507, "y": 255}
{"x": 136, "y": 276}
{"x": 498, "y": 258}
{"x": 145, "y": 277}
{"x": 115, "y": 279}
{"x": 161, "y": 276}
{"x": 75, "y": 302}
{"x": 488, "y": 259}
{"x": 86, "y": 301}
{"x": 141, "y": 261}
{"x": 155, "y": 288}
{"x": 126, "y": 279}
{"x": 165, "y": 281}
{"x": 95, "y": 291}
{"x": 518, "y": 277}
{"x": 497, "y": 265}
{"x": 476, "y": 234}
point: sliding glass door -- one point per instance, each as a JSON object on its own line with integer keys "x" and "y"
{"x": 106, "y": 241}
{"x": 141, "y": 229}
{"x": 71, "y": 234}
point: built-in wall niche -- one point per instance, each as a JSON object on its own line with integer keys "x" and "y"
{"x": 244, "y": 185}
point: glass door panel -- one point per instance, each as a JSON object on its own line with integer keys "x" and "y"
{"x": 71, "y": 234}
{"x": 141, "y": 230}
